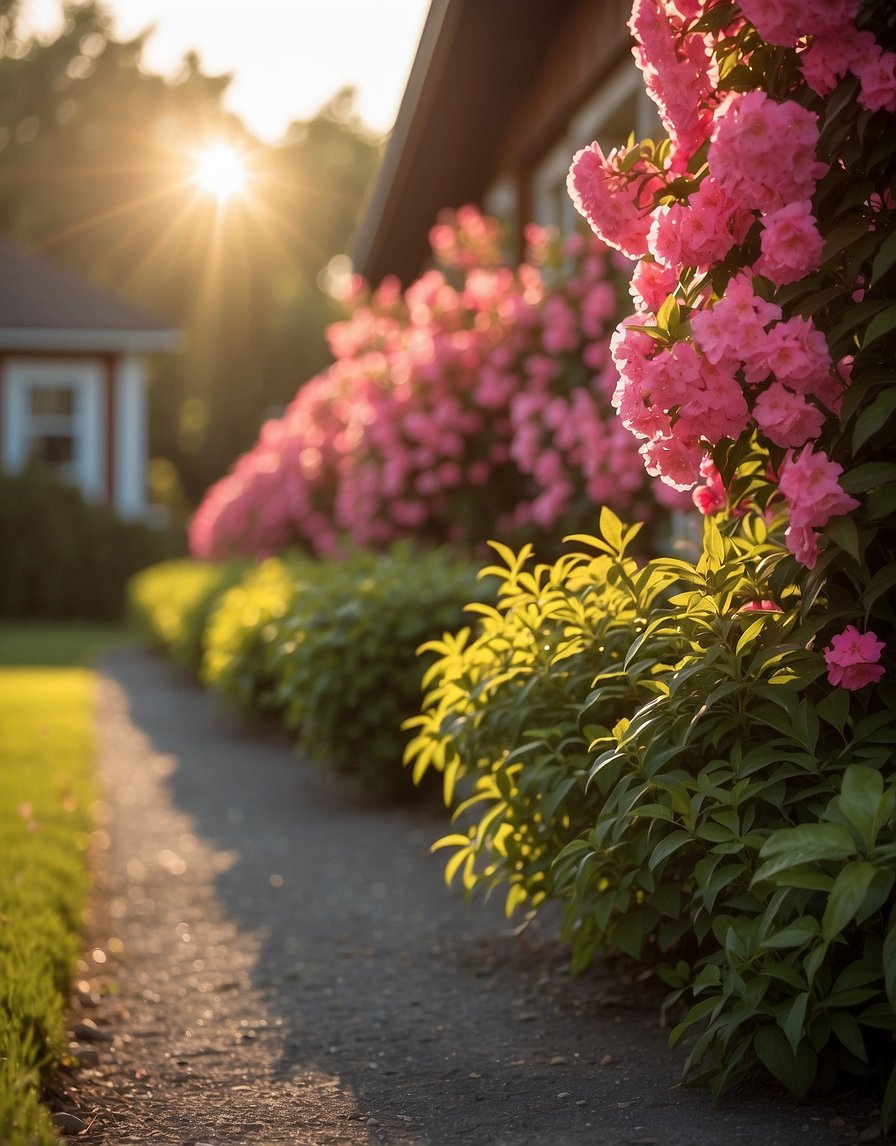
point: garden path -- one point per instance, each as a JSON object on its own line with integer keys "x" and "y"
{"x": 279, "y": 962}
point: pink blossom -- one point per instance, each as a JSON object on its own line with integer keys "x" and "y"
{"x": 802, "y": 542}
{"x": 785, "y": 22}
{"x": 786, "y": 418}
{"x": 791, "y": 244}
{"x": 752, "y": 173}
{"x": 853, "y": 658}
{"x": 616, "y": 205}
{"x": 876, "y": 72}
{"x": 679, "y": 74}
{"x": 711, "y": 497}
{"x": 674, "y": 461}
{"x": 651, "y": 284}
{"x": 808, "y": 481}
{"x": 762, "y": 606}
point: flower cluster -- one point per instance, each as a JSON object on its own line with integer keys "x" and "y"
{"x": 720, "y": 217}
{"x": 853, "y": 659}
{"x": 476, "y": 401}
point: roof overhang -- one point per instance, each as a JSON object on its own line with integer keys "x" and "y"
{"x": 443, "y": 146}
{"x": 37, "y": 339}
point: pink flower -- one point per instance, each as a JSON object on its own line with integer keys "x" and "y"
{"x": 616, "y": 205}
{"x": 785, "y": 418}
{"x": 876, "y": 73}
{"x": 711, "y": 497}
{"x": 785, "y": 22}
{"x": 853, "y": 658}
{"x": 791, "y": 244}
{"x": 802, "y": 542}
{"x": 763, "y": 606}
{"x": 752, "y": 173}
{"x": 809, "y": 482}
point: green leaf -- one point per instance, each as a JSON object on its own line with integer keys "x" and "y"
{"x": 868, "y": 476}
{"x": 846, "y": 897}
{"x": 880, "y": 325}
{"x": 884, "y": 259}
{"x": 882, "y": 581}
{"x": 874, "y": 418}
{"x": 667, "y": 847}
{"x": 843, "y": 532}
{"x": 860, "y": 801}
{"x": 793, "y": 1024}
{"x": 849, "y": 1033}
{"x": 804, "y": 844}
{"x": 795, "y": 1071}
{"x": 797, "y": 934}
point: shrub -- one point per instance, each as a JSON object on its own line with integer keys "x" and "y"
{"x": 476, "y": 402}
{"x": 657, "y": 747}
{"x": 240, "y": 640}
{"x": 63, "y": 557}
{"x": 170, "y": 604}
{"x": 330, "y": 647}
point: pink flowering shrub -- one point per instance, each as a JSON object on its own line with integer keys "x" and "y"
{"x": 716, "y": 737}
{"x": 757, "y": 372}
{"x": 475, "y": 402}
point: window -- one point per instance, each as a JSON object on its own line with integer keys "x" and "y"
{"x": 620, "y": 108}
{"x": 53, "y": 411}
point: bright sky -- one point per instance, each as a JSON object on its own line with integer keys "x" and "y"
{"x": 287, "y": 56}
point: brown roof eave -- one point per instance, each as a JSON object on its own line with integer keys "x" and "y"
{"x": 474, "y": 57}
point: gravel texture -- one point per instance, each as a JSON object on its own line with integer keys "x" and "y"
{"x": 271, "y": 960}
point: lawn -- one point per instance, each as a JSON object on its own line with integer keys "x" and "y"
{"x": 46, "y": 794}
{"x": 59, "y": 643}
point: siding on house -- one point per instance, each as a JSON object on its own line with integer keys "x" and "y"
{"x": 72, "y": 384}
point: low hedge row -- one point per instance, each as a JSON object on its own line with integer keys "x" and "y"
{"x": 656, "y": 746}
{"x": 64, "y": 558}
{"x": 328, "y": 648}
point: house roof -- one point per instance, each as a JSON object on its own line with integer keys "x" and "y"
{"x": 44, "y": 306}
{"x": 474, "y": 58}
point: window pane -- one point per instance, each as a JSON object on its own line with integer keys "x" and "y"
{"x": 54, "y": 449}
{"x": 52, "y": 400}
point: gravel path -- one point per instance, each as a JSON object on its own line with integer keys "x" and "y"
{"x": 273, "y": 961}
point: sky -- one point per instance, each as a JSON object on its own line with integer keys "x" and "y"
{"x": 287, "y": 61}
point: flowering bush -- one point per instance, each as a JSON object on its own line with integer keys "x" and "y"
{"x": 697, "y": 759}
{"x": 478, "y": 401}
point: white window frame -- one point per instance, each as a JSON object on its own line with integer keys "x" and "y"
{"x": 549, "y": 176}
{"x": 85, "y": 379}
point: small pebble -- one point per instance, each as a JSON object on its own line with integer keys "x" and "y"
{"x": 607, "y": 1060}
{"x": 69, "y": 1123}
{"x": 559, "y": 1060}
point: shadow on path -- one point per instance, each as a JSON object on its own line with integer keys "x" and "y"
{"x": 330, "y": 988}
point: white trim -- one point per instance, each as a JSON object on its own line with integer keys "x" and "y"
{"x": 551, "y": 205}
{"x": 87, "y": 423}
{"x": 130, "y": 447}
{"x": 98, "y": 341}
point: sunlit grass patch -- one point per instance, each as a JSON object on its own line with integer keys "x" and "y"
{"x": 46, "y": 790}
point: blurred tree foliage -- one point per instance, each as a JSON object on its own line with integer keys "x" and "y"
{"x": 96, "y": 170}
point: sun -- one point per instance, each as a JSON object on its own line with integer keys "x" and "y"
{"x": 220, "y": 170}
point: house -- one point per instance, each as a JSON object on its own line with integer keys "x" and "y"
{"x": 72, "y": 379}
{"x": 501, "y": 95}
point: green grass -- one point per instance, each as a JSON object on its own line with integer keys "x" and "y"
{"x": 58, "y": 643}
{"x": 46, "y": 792}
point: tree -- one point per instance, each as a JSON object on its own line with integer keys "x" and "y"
{"x": 97, "y": 171}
